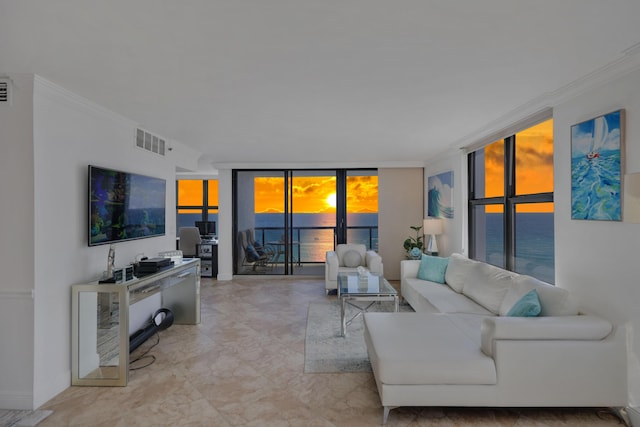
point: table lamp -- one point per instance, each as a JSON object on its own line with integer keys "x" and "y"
{"x": 432, "y": 227}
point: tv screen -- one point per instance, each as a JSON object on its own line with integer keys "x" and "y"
{"x": 206, "y": 228}
{"x": 124, "y": 206}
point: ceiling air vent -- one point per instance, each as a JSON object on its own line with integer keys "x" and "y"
{"x": 150, "y": 142}
{"x": 4, "y": 91}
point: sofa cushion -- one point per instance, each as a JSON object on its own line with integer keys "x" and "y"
{"x": 527, "y": 306}
{"x": 487, "y": 285}
{"x": 352, "y": 258}
{"x": 458, "y": 269}
{"x": 554, "y": 301}
{"x": 433, "y": 268}
{"x": 425, "y": 296}
{"x": 419, "y": 348}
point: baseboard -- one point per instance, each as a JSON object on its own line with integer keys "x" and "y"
{"x": 54, "y": 385}
{"x": 634, "y": 416}
{"x": 16, "y": 400}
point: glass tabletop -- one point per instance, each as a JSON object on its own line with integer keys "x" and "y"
{"x": 364, "y": 284}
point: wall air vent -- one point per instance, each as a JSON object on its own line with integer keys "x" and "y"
{"x": 5, "y": 93}
{"x": 150, "y": 142}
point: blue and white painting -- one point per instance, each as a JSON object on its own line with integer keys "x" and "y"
{"x": 596, "y": 174}
{"x": 440, "y": 195}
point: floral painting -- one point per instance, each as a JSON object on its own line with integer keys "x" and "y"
{"x": 596, "y": 171}
{"x": 440, "y": 195}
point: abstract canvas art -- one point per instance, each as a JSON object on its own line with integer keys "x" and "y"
{"x": 596, "y": 168}
{"x": 440, "y": 195}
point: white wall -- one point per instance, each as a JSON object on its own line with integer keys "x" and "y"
{"x": 49, "y": 191}
{"x": 225, "y": 224}
{"x": 16, "y": 246}
{"x": 400, "y": 205}
{"x": 598, "y": 260}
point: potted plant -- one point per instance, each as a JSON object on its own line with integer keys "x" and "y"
{"x": 413, "y": 245}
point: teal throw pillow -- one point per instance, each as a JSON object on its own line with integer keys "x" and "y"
{"x": 527, "y": 306}
{"x": 433, "y": 268}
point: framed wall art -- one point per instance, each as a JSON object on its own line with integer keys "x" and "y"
{"x": 440, "y": 195}
{"x": 596, "y": 167}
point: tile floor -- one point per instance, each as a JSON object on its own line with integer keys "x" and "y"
{"x": 243, "y": 366}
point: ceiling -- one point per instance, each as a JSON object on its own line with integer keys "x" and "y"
{"x": 325, "y": 81}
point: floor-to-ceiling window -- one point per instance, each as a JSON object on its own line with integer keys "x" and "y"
{"x": 295, "y": 216}
{"x": 197, "y": 203}
{"x": 511, "y": 220}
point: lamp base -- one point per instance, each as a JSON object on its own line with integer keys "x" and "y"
{"x": 432, "y": 247}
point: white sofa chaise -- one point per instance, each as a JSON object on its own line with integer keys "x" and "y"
{"x": 461, "y": 349}
{"x": 347, "y": 258}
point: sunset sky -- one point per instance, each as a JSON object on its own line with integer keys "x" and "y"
{"x": 534, "y": 167}
{"x": 316, "y": 194}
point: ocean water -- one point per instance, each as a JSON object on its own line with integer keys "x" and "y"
{"x": 535, "y": 254}
{"x": 314, "y": 233}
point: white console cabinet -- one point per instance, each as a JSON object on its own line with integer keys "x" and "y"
{"x": 100, "y": 319}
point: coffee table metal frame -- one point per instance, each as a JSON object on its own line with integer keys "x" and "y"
{"x": 386, "y": 292}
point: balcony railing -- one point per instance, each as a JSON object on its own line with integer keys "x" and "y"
{"x": 310, "y": 244}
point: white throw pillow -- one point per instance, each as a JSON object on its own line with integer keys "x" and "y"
{"x": 488, "y": 285}
{"x": 458, "y": 271}
{"x": 352, "y": 259}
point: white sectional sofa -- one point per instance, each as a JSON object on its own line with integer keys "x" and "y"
{"x": 461, "y": 349}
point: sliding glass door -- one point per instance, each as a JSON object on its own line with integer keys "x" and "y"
{"x": 286, "y": 220}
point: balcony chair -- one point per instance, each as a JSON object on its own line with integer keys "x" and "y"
{"x": 254, "y": 255}
{"x": 347, "y": 258}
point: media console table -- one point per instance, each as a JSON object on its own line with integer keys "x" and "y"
{"x": 99, "y": 346}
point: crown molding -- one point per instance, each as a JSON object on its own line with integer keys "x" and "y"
{"x": 626, "y": 64}
{"x": 57, "y": 93}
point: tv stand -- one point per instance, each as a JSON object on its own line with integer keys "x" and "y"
{"x": 100, "y": 319}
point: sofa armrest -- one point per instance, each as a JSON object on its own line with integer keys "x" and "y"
{"x": 408, "y": 268}
{"x": 374, "y": 262}
{"x": 572, "y": 328}
{"x": 331, "y": 265}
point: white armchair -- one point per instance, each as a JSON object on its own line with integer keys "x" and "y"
{"x": 348, "y": 257}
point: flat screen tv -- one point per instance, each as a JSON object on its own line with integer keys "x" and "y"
{"x": 124, "y": 206}
{"x": 207, "y": 228}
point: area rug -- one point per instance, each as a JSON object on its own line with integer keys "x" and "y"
{"x": 325, "y": 350}
{"x": 17, "y": 418}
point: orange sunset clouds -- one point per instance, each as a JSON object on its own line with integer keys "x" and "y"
{"x": 316, "y": 194}
{"x": 534, "y": 166}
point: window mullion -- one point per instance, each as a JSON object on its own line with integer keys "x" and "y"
{"x": 509, "y": 207}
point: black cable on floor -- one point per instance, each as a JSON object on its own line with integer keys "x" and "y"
{"x": 144, "y": 356}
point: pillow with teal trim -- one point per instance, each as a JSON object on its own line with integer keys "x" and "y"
{"x": 433, "y": 268}
{"x": 527, "y": 306}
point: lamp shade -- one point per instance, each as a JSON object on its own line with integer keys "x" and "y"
{"x": 432, "y": 226}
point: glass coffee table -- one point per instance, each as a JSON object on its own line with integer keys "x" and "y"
{"x": 362, "y": 287}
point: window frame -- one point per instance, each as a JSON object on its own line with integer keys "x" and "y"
{"x": 509, "y": 201}
{"x": 204, "y": 208}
